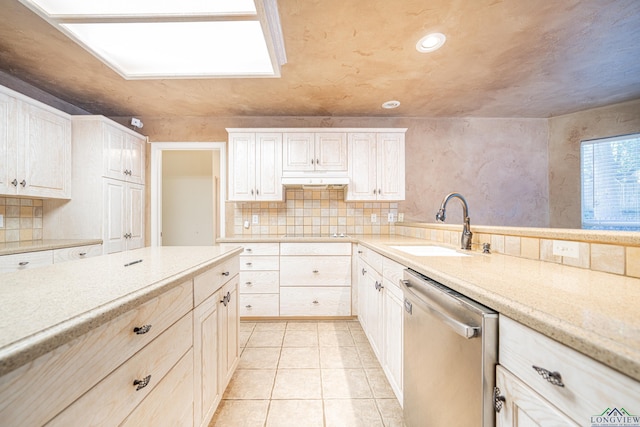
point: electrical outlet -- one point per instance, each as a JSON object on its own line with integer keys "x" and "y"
{"x": 255, "y": 219}
{"x": 566, "y": 249}
{"x": 390, "y": 217}
{"x": 374, "y": 218}
{"x": 1, "y": 221}
{"x": 400, "y": 217}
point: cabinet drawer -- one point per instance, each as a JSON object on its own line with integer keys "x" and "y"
{"x": 371, "y": 257}
{"x": 252, "y": 305}
{"x": 259, "y": 282}
{"x": 392, "y": 271}
{"x": 342, "y": 248}
{"x": 77, "y": 252}
{"x": 24, "y": 261}
{"x": 210, "y": 281}
{"x": 249, "y": 263}
{"x": 315, "y": 271}
{"x": 176, "y": 386}
{"x": 31, "y": 395}
{"x": 111, "y": 400}
{"x": 261, "y": 248}
{"x": 315, "y": 301}
{"x": 589, "y": 386}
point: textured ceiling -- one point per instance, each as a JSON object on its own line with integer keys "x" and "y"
{"x": 512, "y": 58}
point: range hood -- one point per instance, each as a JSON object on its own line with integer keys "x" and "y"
{"x": 315, "y": 183}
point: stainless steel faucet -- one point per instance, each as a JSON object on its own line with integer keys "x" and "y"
{"x": 465, "y": 241}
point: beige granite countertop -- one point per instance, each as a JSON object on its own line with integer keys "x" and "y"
{"x": 592, "y": 312}
{"x": 44, "y": 245}
{"x": 46, "y": 307}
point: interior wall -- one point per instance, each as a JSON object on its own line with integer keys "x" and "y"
{"x": 499, "y": 165}
{"x": 565, "y": 134}
{"x": 188, "y": 214}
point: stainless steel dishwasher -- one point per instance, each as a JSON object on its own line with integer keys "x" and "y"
{"x": 450, "y": 353}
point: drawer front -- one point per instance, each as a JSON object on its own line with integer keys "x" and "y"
{"x": 315, "y": 271}
{"x": 315, "y": 301}
{"x": 115, "y": 397}
{"x": 342, "y": 248}
{"x": 589, "y": 386}
{"x": 77, "y": 252}
{"x": 261, "y": 249}
{"x": 252, "y": 263}
{"x": 259, "y": 282}
{"x": 392, "y": 271}
{"x": 207, "y": 283}
{"x": 255, "y": 305}
{"x": 371, "y": 257}
{"x": 177, "y": 386}
{"x": 31, "y": 395}
{"x": 25, "y": 261}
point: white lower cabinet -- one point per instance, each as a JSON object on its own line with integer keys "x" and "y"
{"x": 28, "y": 260}
{"x": 380, "y": 310}
{"x": 259, "y": 280}
{"x": 164, "y": 363}
{"x": 315, "y": 301}
{"x": 542, "y": 382}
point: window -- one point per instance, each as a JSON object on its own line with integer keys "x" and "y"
{"x": 610, "y": 169}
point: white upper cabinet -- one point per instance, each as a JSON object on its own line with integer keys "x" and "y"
{"x": 315, "y": 151}
{"x": 124, "y": 155}
{"x": 35, "y": 148}
{"x": 255, "y": 166}
{"x": 377, "y": 166}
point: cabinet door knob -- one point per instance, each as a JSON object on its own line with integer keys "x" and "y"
{"x": 317, "y": 161}
{"x": 257, "y": 192}
{"x": 553, "y": 377}
{"x": 23, "y": 183}
{"x": 312, "y": 161}
{"x": 23, "y": 263}
{"x": 142, "y": 383}
{"x": 374, "y": 191}
{"x": 498, "y": 399}
{"x": 359, "y": 252}
{"x": 14, "y": 182}
{"x": 141, "y": 330}
{"x": 224, "y": 300}
{"x": 228, "y": 297}
{"x": 364, "y": 271}
{"x": 379, "y": 191}
{"x": 252, "y": 191}
{"x": 225, "y": 273}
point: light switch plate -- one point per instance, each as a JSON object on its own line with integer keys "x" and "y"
{"x": 566, "y": 249}
{"x": 255, "y": 219}
{"x": 390, "y": 217}
{"x": 400, "y": 217}
{"x": 1, "y": 221}
{"x": 374, "y": 218}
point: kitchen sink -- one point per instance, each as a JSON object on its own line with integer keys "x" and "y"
{"x": 429, "y": 250}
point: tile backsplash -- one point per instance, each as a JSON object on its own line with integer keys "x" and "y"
{"x": 312, "y": 212}
{"x": 22, "y": 219}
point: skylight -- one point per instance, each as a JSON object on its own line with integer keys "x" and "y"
{"x": 153, "y": 39}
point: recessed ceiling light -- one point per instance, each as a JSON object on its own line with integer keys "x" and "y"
{"x": 431, "y": 42}
{"x": 391, "y": 104}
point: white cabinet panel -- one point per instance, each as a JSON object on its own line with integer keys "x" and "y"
{"x": 319, "y": 151}
{"x": 315, "y": 270}
{"x": 315, "y": 248}
{"x": 298, "y": 152}
{"x": 315, "y": 301}
{"x": 77, "y": 252}
{"x": 260, "y": 305}
{"x": 331, "y": 151}
{"x": 124, "y": 154}
{"x": 123, "y": 216}
{"x": 205, "y": 359}
{"x": 24, "y": 261}
{"x": 255, "y": 166}
{"x": 259, "y": 282}
{"x": 35, "y": 148}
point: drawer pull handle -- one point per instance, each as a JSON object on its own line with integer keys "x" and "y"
{"x": 249, "y": 264}
{"x": 359, "y": 252}
{"x": 248, "y": 250}
{"x": 553, "y": 377}
{"x": 14, "y": 182}
{"x": 23, "y": 183}
{"x": 249, "y": 283}
{"x": 142, "y": 383}
{"x": 315, "y": 301}
{"x": 228, "y": 297}
{"x": 141, "y": 330}
{"x": 82, "y": 254}
{"x": 23, "y": 263}
{"x": 248, "y": 306}
{"x": 224, "y": 300}
{"x": 315, "y": 272}
{"x": 225, "y": 273}
{"x": 498, "y": 399}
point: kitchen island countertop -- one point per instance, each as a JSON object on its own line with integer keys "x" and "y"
{"x": 49, "y": 306}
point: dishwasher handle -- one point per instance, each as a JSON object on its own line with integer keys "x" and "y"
{"x": 460, "y": 328}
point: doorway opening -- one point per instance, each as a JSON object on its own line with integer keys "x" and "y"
{"x": 187, "y": 193}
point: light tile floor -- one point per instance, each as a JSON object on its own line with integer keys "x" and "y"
{"x": 307, "y": 373}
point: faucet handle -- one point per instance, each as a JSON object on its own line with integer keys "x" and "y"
{"x": 486, "y": 248}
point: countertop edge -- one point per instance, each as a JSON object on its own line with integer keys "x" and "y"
{"x": 21, "y": 352}
{"x": 44, "y": 245}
